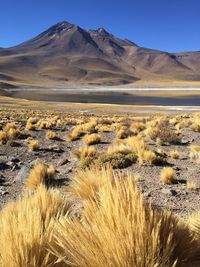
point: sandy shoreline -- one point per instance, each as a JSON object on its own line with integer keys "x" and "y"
{"x": 105, "y": 89}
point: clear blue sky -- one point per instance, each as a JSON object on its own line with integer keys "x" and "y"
{"x": 171, "y": 25}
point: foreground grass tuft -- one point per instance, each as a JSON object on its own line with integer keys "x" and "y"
{"x": 118, "y": 229}
{"x": 40, "y": 174}
{"x": 27, "y": 229}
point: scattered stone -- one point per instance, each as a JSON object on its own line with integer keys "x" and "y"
{"x": 169, "y": 192}
{"x": 3, "y": 192}
{"x": 177, "y": 168}
{"x": 10, "y": 163}
{"x": 186, "y": 140}
{"x": 13, "y": 159}
{"x": 23, "y": 173}
{"x": 55, "y": 148}
{"x": 3, "y": 165}
{"x": 147, "y": 194}
{"x": 62, "y": 161}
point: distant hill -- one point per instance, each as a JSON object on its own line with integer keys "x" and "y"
{"x": 67, "y": 54}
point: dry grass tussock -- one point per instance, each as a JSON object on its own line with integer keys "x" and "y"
{"x": 8, "y": 133}
{"x": 174, "y": 154}
{"x": 40, "y": 174}
{"x": 92, "y": 139}
{"x": 191, "y": 185}
{"x": 194, "y": 223}
{"x": 27, "y": 229}
{"x": 167, "y": 175}
{"x": 80, "y": 130}
{"x": 87, "y": 183}
{"x": 195, "y": 152}
{"x": 3, "y": 137}
{"x": 195, "y": 126}
{"x": 31, "y": 124}
{"x": 33, "y": 145}
{"x": 164, "y": 132}
{"x": 118, "y": 229}
{"x": 50, "y": 135}
{"x": 84, "y": 152}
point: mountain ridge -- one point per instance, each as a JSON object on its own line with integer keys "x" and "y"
{"x": 67, "y": 54}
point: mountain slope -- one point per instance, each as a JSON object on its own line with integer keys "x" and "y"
{"x": 67, "y": 54}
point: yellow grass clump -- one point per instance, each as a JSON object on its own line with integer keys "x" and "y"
{"x": 194, "y": 223}
{"x": 119, "y": 148}
{"x": 195, "y": 152}
{"x": 92, "y": 139}
{"x": 12, "y": 133}
{"x": 136, "y": 144}
{"x": 75, "y": 134}
{"x": 174, "y": 154}
{"x": 84, "y": 152}
{"x": 195, "y": 126}
{"x": 31, "y": 124}
{"x": 9, "y": 132}
{"x": 40, "y": 174}
{"x": 3, "y": 137}
{"x": 50, "y": 135}
{"x": 33, "y": 145}
{"x": 86, "y": 184}
{"x": 27, "y": 229}
{"x": 167, "y": 175}
{"x": 118, "y": 229}
{"x": 146, "y": 157}
{"x": 43, "y": 124}
{"x": 123, "y": 133}
{"x": 10, "y": 125}
{"x": 137, "y": 127}
{"x": 191, "y": 185}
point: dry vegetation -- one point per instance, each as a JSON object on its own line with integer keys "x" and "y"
{"x": 98, "y": 216}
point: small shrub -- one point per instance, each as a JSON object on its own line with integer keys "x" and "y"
{"x": 87, "y": 162}
{"x": 116, "y": 160}
{"x": 165, "y": 134}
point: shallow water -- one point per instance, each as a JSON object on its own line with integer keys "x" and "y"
{"x": 114, "y": 97}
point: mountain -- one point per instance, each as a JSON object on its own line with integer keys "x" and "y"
{"x": 66, "y": 54}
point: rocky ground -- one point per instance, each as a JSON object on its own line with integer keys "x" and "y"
{"x": 16, "y": 161}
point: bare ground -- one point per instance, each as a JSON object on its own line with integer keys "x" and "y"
{"x": 175, "y": 197}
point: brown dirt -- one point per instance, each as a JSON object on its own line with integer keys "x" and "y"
{"x": 12, "y": 159}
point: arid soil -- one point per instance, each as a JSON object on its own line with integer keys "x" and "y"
{"x": 16, "y": 159}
